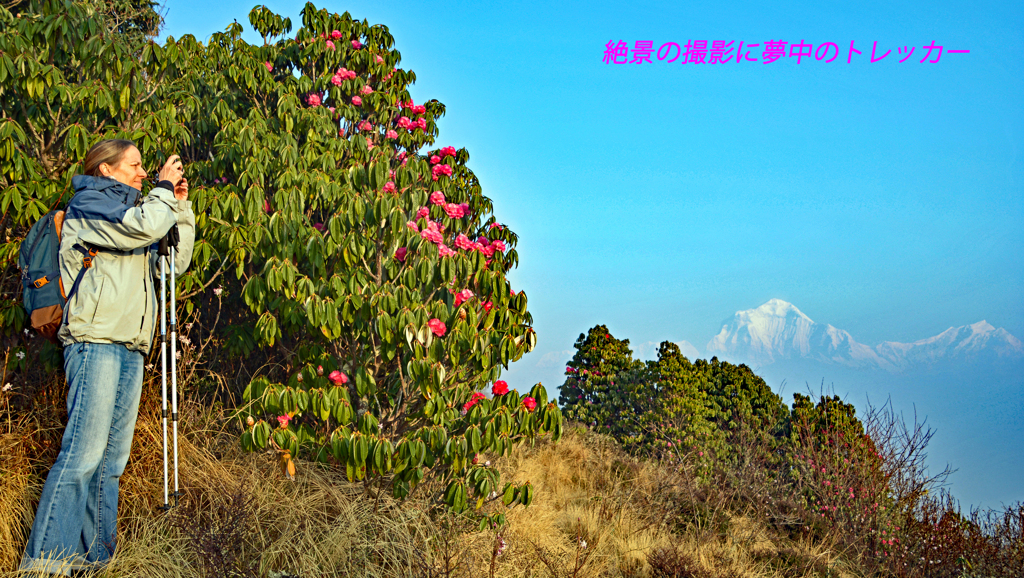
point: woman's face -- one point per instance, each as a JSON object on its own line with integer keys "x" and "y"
{"x": 129, "y": 171}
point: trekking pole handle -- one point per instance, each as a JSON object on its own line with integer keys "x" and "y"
{"x": 170, "y": 240}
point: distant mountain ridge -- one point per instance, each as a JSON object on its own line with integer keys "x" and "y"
{"x": 778, "y": 330}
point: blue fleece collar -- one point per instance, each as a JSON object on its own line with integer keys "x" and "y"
{"x": 129, "y": 195}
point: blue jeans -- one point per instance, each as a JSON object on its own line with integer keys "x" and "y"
{"x": 76, "y": 522}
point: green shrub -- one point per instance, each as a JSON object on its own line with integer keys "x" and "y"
{"x": 669, "y": 405}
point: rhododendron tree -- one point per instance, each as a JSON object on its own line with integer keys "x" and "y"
{"x": 383, "y": 292}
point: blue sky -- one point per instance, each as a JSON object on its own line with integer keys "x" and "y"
{"x": 884, "y": 198}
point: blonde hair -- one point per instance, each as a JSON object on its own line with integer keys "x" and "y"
{"x": 109, "y": 151}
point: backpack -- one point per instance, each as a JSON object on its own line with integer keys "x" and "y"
{"x": 39, "y": 260}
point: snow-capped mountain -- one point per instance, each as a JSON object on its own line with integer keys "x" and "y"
{"x": 778, "y": 330}
{"x": 967, "y": 342}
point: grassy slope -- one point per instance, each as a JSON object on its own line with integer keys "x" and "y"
{"x": 241, "y": 514}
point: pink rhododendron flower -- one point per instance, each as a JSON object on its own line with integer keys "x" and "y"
{"x": 488, "y": 306}
{"x": 420, "y": 109}
{"x": 437, "y": 327}
{"x": 369, "y": 144}
{"x": 422, "y": 123}
{"x": 357, "y": 101}
{"x": 435, "y": 159}
{"x": 336, "y": 34}
{"x": 389, "y": 187}
{"x": 330, "y": 45}
{"x": 495, "y": 226}
{"x": 404, "y": 122}
{"x": 366, "y": 89}
{"x": 441, "y": 170}
{"x": 338, "y": 377}
{"x": 365, "y": 126}
{"x": 266, "y": 206}
{"x": 400, "y": 254}
{"x": 570, "y": 370}
{"x": 378, "y": 59}
{"x": 473, "y": 401}
{"x": 499, "y": 387}
{"x": 465, "y": 208}
{"x": 499, "y": 245}
{"x": 336, "y": 80}
{"x": 412, "y": 225}
{"x": 529, "y": 403}
{"x": 423, "y": 213}
{"x": 454, "y": 211}
{"x": 437, "y": 197}
{"x": 319, "y": 227}
{"x": 448, "y": 151}
{"x": 356, "y": 44}
{"x": 511, "y": 292}
{"x": 463, "y": 242}
{"x": 313, "y": 100}
{"x": 444, "y": 251}
{"x": 391, "y": 134}
{"x": 283, "y": 420}
{"x": 331, "y": 108}
{"x": 432, "y": 234}
{"x": 270, "y": 67}
{"x": 463, "y": 296}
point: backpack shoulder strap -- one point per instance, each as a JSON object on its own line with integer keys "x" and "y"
{"x": 87, "y": 256}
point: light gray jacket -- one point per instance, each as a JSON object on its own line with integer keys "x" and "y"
{"x": 116, "y": 301}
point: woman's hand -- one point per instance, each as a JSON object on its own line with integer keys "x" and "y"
{"x": 181, "y": 190}
{"x": 172, "y": 171}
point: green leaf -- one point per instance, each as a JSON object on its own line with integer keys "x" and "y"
{"x": 261, "y": 434}
{"x": 125, "y": 96}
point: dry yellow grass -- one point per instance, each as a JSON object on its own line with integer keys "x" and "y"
{"x": 319, "y": 525}
{"x": 587, "y": 490}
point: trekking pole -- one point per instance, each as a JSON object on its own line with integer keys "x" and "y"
{"x": 172, "y": 237}
{"x": 166, "y": 251}
{"x": 162, "y": 253}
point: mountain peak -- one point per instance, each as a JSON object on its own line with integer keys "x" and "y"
{"x": 982, "y": 327}
{"x": 773, "y": 308}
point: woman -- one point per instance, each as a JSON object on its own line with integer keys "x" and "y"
{"x": 107, "y": 331}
